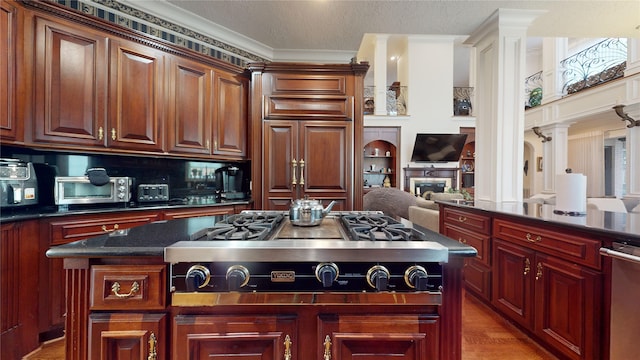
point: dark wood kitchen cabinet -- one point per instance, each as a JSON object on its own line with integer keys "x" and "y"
{"x": 307, "y": 158}
{"x": 306, "y": 123}
{"x": 549, "y": 283}
{"x": 230, "y": 119}
{"x": 190, "y": 107}
{"x": 52, "y": 307}
{"x": 136, "y": 97}
{"x": 8, "y": 71}
{"x": 19, "y": 288}
{"x": 71, "y": 69}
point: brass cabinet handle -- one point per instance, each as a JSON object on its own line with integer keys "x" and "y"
{"x": 327, "y": 348}
{"x": 294, "y": 165}
{"x": 301, "y": 171}
{"x": 100, "y": 133}
{"x": 462, "y": 218}
{"x": 287, "y": 348}
{"x": 207, "y": 144}
{"x": 527, "y": 266}
{"x": 215, "y": 144}
{"x": 113, "y": 134}
{"x": 115, "y": 227}
{"x": 531, "y": 239}
{"x": 115, "y": 288}
{"x": 461, "y": 240}
{"x": 539, "y": 271}
{"x": 153, "y": 353}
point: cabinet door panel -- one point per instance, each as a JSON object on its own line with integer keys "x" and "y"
{"x": 8, "y": 32}
{"x": 136, "y": 97}
{"x": 127, "y": 336}
{"x": 71, "y": 68}
{"x": 513, "y": 274}
{"x": 240, "y": 337}
{"x": 567, "y": 313}
{"x": 230, "y": 130}
{"x": 280, "y": 144}
{"x": 190, "y": 100}
{"x": 326, "y": 149}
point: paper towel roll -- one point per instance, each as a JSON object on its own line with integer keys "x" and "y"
{"x": 571, "y": 193}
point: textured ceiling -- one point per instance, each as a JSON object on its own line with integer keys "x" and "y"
{"x": 340, "y": 25}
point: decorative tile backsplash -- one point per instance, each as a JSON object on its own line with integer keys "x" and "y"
{"x": 126, "y": 16}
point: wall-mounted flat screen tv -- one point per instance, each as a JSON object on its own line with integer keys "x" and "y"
{"x": 438, "y": 147}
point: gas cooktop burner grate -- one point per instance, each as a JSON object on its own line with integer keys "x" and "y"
{"x": 254, "y": 226}
{"x": 379, "y": 228}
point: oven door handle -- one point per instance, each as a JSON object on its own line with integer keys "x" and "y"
{"x": 619, "y": 255}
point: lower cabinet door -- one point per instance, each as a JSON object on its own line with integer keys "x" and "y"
{"x": 567, "y": 307}
{"x": 348, "y": 337}
{"x": 114, "y": 336}
{"x": 258, "y": 337}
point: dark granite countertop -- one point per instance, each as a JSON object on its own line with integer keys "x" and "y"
{"x": 38, "y": 212}
{"x": 622, "y": 226}
{"x": 151, "y": 239}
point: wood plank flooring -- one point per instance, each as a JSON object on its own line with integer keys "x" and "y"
{"x": 485, "y": 336}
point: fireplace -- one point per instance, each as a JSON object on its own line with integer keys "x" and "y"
{"x": 419, "y": 186}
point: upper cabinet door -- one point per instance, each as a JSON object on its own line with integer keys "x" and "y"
{"x": 136, "y": 97}
{"x": 8, "y": 28}
{"x": 230, "y": 122}
{"x": 190, "y": 107}
{"x": 70, "y": 85}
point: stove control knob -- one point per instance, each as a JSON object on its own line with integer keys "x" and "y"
{"x": 416, "y": 277}
{"x": 378, "y": 277}
{"x": 237, "y": 277}
{"x": 197, "y": 277}
{"x": 327, "y": 273}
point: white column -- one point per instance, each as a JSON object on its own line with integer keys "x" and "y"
{"x": 554, "y": 50}
{"x": 633, "y": 56}
{"x": 554, "y": 155}
{"x": 501, "y": 53}
{"x": 633, "y": 154}
{"x": 380, "y": 75}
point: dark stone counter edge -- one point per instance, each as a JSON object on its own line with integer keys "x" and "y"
{"x": 50, "y": 212}
{"x": 617, "y": 234}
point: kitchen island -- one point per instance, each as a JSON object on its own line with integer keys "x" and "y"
{"x": 121, "y": 299}
{"x": 544, "y": 271}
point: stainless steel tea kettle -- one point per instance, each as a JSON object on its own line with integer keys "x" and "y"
{"x": 308, "y": 212}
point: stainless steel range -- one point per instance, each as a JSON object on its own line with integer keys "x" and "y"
{"x": 258, "y": 251}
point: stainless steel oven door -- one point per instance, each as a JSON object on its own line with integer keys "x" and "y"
{"x": 78, "y": 190}
{"x": 625, "y": 292}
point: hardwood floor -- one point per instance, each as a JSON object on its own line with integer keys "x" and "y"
{"x": 485, "y": 336}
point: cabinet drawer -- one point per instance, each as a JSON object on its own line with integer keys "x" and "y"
{"x": 551, "y": 241}
{"x": 467, "y": 220}
{"x": 79, "y": 228}
{"x": 318, "y": 107}
{"x": 478, "y": 241}
{"x": 309, "y": 84}
{"x": 120, "y": 287}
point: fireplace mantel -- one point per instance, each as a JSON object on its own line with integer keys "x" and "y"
{"x": 429, "y": 172}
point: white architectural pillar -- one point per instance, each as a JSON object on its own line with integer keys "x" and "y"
{"x": 554, "y": 155}
{"x": 633, "y": 154}
{"x": 501, "y": 52}
{"x": 633, "y": 56}
{"x": 554, "y": 50}
{"x": 380, "y": 75}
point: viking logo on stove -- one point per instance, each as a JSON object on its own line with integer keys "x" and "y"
{"x": 283, "y": 276}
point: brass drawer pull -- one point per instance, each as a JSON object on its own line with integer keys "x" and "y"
{"x": 461, "y": 240}
{"x": 530, "y": 238}
{"x": 327, "y": 348}
{"x": 115, "y": 288}
{"x": 115, "y": 227}
{"x": 287, "y": 348}
{"x": 462, "y": 218}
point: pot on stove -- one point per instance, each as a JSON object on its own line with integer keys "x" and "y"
{"x": 308, "y": 212}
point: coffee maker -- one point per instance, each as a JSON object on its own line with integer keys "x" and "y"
{"x": 230, "y": 182}
{"x": 18, "y": 183}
